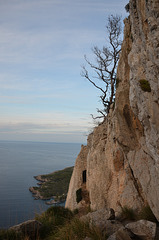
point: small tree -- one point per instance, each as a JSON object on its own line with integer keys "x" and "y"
{"x": 106, "y": 65}
{"x": 127, "y": 7}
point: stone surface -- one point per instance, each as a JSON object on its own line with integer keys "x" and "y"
{"x": 143, "y": 60}
{"x": 121, "y": 158}
{"x": 100, "y": 218}
{"x": 29, "y": 228}
{"x": 121, "y": 234}
{"x": 140, "y": 230}
{"x": 76, "y": 181}
{"x": 146, "y": 230}
{"x": 112, "y": 237}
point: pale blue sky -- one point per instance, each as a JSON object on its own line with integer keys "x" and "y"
{"x": 42, "y": 44}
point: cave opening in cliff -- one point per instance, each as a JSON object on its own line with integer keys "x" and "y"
{"x": 84, "y": 176}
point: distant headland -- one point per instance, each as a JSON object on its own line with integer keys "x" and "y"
{"x": 53, "y": 186}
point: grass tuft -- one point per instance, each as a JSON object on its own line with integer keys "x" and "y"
{"x": 10, "y": 235}
{"x": 53, "y": 218}
{"x": 145, "y": 85}
{"x": 147, "y": 214}
{"x": 128, "y": 213}
{"x": 78, "y": 230}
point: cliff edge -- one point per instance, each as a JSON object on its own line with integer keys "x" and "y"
{"x": 120, "y": 164}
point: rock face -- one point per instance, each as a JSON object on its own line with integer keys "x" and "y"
{"x": 117, "y": 230}
{"x": 120, "y": 164}
{"x": 29, "y": 228}
{"x": 144, "y": 229}
{"x": 100, "y": 219}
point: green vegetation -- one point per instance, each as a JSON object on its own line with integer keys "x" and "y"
{"x": 127, "y": 7}
{"x": 55, "y": 184}
{"x": 52, "y": 219}
{"x": 10, "y": 235}
{"x": 147, "y": 214}
{"x": 145, "y": 85}
{"x": 128, "y": 213}
{"x": 78, "y": 195}
{"x": 59, "y": 223}
{"x": 77, "y": 229}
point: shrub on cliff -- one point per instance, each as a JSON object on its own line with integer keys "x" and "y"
{"x": 77, "y": 229}
{"x": 53, "y": 218}
{"x": 147, "y": 214}
{"x": 127, "y": 7}
{"x": 145, "y": 85}
{"x": 10, "y": 235}
{"x": 128, "y": 213}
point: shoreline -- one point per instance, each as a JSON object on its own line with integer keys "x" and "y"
{"x": 37, "y": 196}
{"x": 52, "y": 187}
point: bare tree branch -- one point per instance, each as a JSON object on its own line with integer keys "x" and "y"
{"x": 105, "y": 66}
{"x": 85, "y": 74}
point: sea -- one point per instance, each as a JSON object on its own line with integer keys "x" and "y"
{"x": 19, "y": 163}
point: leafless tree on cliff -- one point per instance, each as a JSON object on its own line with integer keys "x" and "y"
{"x": 105, "y": 67}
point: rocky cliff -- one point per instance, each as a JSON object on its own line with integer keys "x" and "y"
{"x": 120, "y": 164}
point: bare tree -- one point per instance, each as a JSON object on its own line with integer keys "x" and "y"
{"x": 105, "y": 66}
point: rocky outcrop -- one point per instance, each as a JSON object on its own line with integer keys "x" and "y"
{"x": 120, "y": 164}
{"x": 100, "y": 219}
{"x": 142, "y": 229}
{"x": 118, "y": 230}
{"x": 29, "y": 229}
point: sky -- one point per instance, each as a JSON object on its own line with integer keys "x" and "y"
{"x": 42, "y": 46}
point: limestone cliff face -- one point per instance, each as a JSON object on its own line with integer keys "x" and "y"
{"x": 121, "y": 159}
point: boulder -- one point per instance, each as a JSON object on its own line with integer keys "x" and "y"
{"x": 29, "y": 228}
{"x": 121, "y": 234}
{"x": 144, "y": 229}
{"x": 100, "y": 219}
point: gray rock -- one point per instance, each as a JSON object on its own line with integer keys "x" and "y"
{"x": 100, "y": 219}
{"x": 112, "y": 237}
{"x": 144, "y": 229}
{"x": 121, "y": 234}
{"x": 29, "y": 228}
{"x": 122, "y": 154}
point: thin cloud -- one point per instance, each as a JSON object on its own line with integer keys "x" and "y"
{"x": 64, "y": 128}
{"x": 43, "y": 50}
{"x": 26, "y": 39}
{"x": 42, "y": 46}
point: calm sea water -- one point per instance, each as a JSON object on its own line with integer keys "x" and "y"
{"x": 19, "y": 163}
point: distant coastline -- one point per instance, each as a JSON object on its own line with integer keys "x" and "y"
{"x": 53, "y": 186}
{"x": 20, "y": 162}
